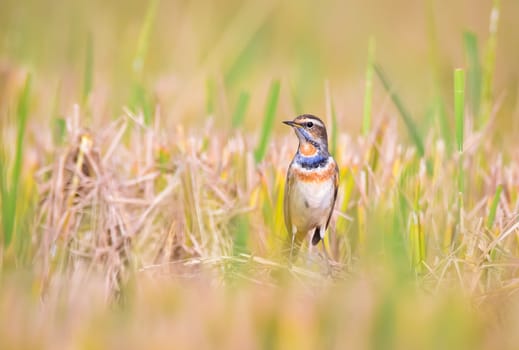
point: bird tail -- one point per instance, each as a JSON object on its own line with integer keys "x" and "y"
{"x": 316, "y": 237}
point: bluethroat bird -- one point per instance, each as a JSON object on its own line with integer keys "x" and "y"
{"x": 311, "y": 184}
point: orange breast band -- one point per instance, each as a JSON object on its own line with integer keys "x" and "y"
{"x": 317, "y": 175}
{"x": 307, "y": 149}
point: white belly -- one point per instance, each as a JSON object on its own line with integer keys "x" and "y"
{"x": 310, "y": 203}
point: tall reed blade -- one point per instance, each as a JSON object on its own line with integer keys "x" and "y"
{"x": 139, "y": 99}
{"x": 10, "y": 182}
{"x": 459, "y": 110}
{"x": 459, "y": 105}
{"x": 493, "y": 207}
{"x": 210, "y": 96}
{"x": 240, "y": 226}
{"x": 241, "y": 107}
{"x": 335, "y": 132}
{"x": 406, "y": 116}
{"x": 268, "y": 121}
{"x": 331, "y": 118}
{"x": 59, "y": 126}
{"x": 435, "y": 61}
{"x": 473, "y": 72}
{"x": 144, "y": 37}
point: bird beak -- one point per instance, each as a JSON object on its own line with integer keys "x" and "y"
{"x": 290, "y": 123}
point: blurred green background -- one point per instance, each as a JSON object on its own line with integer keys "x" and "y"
{"x": 240, "y": 46}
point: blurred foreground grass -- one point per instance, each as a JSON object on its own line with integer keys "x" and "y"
{"x": 142, "y": 168}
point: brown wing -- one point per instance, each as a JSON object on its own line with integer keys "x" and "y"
{"x": 336, "y": 178}
{"x": 286, "y": 201}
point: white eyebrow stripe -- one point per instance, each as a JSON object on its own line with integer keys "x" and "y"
{"x": 315, "y": 121}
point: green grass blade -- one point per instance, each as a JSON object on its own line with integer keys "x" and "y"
{"x": 335, "y": 132}
{"x": 144, "y": 37}
{"x": 432, "y": 37}
{"x": 59, "y": 128}
{"x": 140, "y": 101}
{"x": 10, "y": 186}
{"x": 4, "y": 197}
{"x": 22, "y": 113}
{"x": 89, "y": 70}
{"x": 268, "y": 121}
{"x": 368, "y": 92}
{"x": 240, "y": 226}
{"x": 473, "y": 72}
{"x": 210, "y": 97}
{"x": 331, "y": 117}
{"x": 493, "y": 207}
{"x": 241, "y": 107}
{"x": 459, "y": 105}
{"x": 459, "y": 109}
{"x": 414, "y": 241}
{"x": 408, "y": 121}
{"x": 445, "y": 128}
{"x": 436, "y": 65}
{"x": 244, "y": 59}
{"x": 58, "y": 125}
{"x": 139, "y": 97}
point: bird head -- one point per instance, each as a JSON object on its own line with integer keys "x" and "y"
{"x": 310, "y": 130}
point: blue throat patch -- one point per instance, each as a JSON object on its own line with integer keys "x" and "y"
{"x": 317, "y": 161}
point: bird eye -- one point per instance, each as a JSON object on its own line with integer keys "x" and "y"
{"x": 309, "y": 124}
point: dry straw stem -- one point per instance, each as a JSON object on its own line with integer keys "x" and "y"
{"x": 111, "y": 206}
